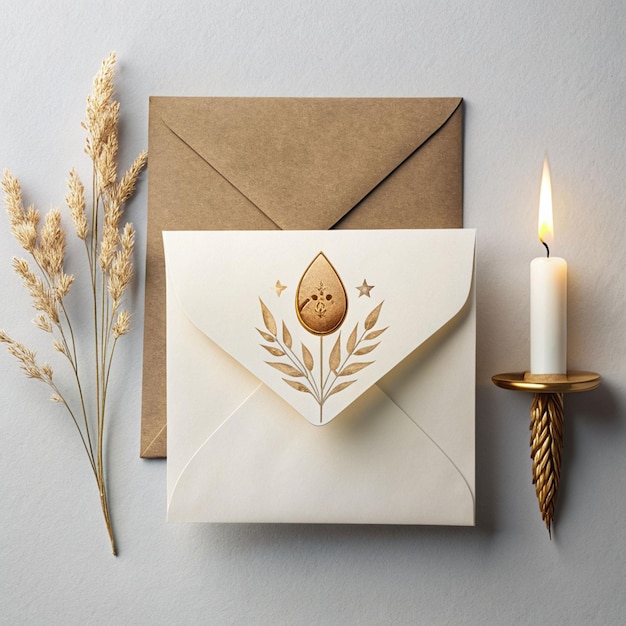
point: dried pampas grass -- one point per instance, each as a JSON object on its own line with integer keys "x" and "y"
{"x": 108, "y": 248}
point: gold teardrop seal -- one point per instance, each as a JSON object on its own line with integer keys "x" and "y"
{"x": 321, "y": 299}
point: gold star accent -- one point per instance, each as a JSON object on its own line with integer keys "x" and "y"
{"x": 278, "y": 288}
{"x": 364, "y": 289}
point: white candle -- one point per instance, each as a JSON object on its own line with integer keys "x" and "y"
{"x": 548, "y": 296}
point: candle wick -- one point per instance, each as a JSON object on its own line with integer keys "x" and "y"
{"x": 548, "y": 249}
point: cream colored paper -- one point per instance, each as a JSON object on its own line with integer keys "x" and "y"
{"x": 397, "y": 445}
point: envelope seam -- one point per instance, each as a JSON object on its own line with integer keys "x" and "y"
{"x": 445, "y": 454}
{"x": 398, "y": 166}
{"x": 147, "y": 447}
{"x": 193, "y": 456}
{"x": 256, "y": 206}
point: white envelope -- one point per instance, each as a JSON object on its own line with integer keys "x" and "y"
{"x": 290, "y": 402}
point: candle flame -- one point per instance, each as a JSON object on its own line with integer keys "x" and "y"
{"x": 545, "y": 227}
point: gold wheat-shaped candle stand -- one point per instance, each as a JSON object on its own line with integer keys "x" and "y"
{"x": 546, "y": 426}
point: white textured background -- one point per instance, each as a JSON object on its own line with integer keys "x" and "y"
{"x": 536, "y": 77}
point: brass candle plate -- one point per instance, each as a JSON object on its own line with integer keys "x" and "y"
{"x": 571, "y": 382}
{"x": 546, "y": 425}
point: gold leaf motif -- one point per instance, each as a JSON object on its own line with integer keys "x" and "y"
{"x": 353, "y": 368}
{"x": 268, "y": 318}
{"x": 340, "y": 387}
{"x": 335, "y": 355}
{"x": 366, "y": 349}
{"x": 274, "y": 351}
{"x": 321, "y": 299}
{"x": 321, "y": 308}
{"x": 286, "y": 336}
{"x": 307, "y": 357}
{"x": 372, "y": 318}
{"x": 352, "y": 340}
{"x": 265, "y": 335}
{"x": 297, "y": 386}
{"x": 375, "y": 333}
{"x": 286, "y": 369}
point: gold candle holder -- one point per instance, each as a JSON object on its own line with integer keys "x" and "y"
{"x": 546, "y": 425}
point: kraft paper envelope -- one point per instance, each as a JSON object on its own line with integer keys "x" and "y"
{"x": 321, "y": 376}
{"x": 289, "y": 163}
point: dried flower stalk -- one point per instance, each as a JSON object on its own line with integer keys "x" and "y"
{"x": 108, "y": 248}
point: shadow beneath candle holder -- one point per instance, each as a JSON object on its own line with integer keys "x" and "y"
{"x": 598, "y": 410}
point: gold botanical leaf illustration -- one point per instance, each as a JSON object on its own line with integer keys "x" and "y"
{"x": 265, "y": 335}
{"x": 366, "y": 349}
{"x": 285, "y": 368}
{"x": 268, "y": 318}
{"x": 374, "y": 334}
{"x": 297, "y": 386}
{"x": 335, "y": 355}
{"x": 286, "y": 336}
{"x": 307, "y": 357}
{"x": 372, "y": 318}
{"x": 341, "y": 387}
{"x": 324, "y": 287}
{"x": 273, "y": 351}
{"x": 352, "y": 340}
{"x": 353, "y": 368}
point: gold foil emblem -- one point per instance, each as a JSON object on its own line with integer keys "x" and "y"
{"x": 321, "y": 299}
{"x": 321, "y": 305}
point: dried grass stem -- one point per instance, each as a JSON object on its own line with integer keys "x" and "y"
{"x": 109, "y": 251}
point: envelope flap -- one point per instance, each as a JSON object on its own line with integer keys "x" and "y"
{"x": 304, "y": 162}
{"x": 245, "y": 291}
{"x": 359, "y": 469}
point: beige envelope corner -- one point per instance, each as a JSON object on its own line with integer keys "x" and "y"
{"x": 289, "y": 163}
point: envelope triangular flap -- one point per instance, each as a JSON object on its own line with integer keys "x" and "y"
{"x": 429, "y": 276}
{"x": 359, "y": 469}
{"x": 305, "y": 162}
